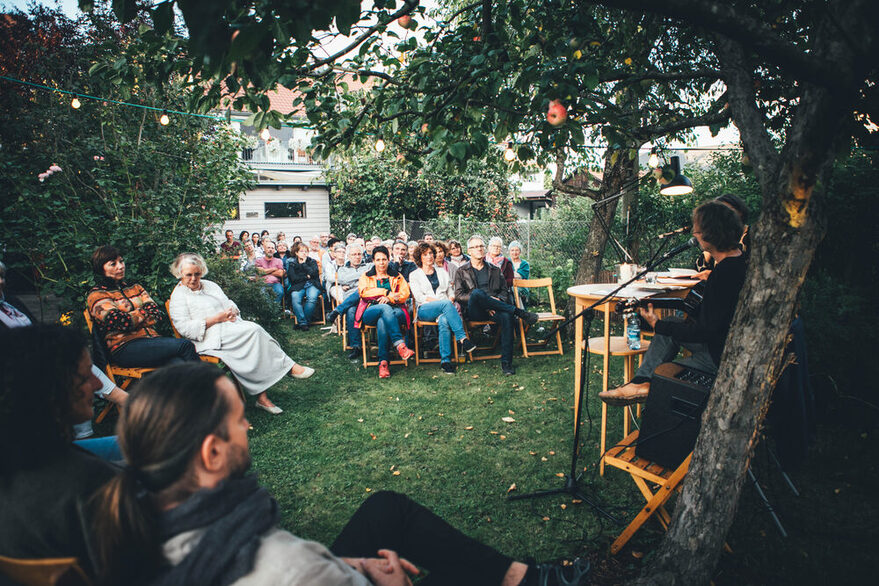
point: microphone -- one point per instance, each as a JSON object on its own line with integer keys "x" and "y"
{"x": 679, "y": 249}
{"x": 673, "y": 232}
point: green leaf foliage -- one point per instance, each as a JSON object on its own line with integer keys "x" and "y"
{"x": 153, "y": 191}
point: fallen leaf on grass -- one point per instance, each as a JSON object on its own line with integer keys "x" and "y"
{"x": 544, "y": 459}
{"x": 475, "y": 376}
{"x": 563, "y": 506}
{"x": 532, "y": 453}
{"x": 360, "y": 420}
{"x": 493, "y": 432}
{"x": 508, "y": 420}
{"x": 551, "y": 453}
{"x": 637, "y": 554}
{"x": 372, "y": 435}
{"x": 560, "y": 474}
{"x": 576, "y": 501}
{"x": 512, "y": 487}
{"x": 368, "y": 489}
{"x": 546, "y": 518}
{"x": 469, "y": 427}
{"x": 511, "y": 412}
{"x": 405, "y": 435}
{"x": 503, "y": 437}
{"x": 396, "y": 472}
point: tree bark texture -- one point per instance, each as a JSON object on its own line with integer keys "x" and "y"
{"x": 620, "y": 175}
{"x": 784, "y": 241}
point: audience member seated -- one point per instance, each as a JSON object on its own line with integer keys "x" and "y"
{"x": 243, "y": 237}
{"x": 456, "y": 256}
{"x": 304, "y": 278}
{"x": 186, "y": 510}
{"x": 433, "y": 295}
{"x": 410, "y": 250}
{"x": 315, "y": 249}
{"x": 248, "y": 260}
{"x": 400, "y": 263}
{"x": 383, "y": 294}
{"x": 46, "y": 386}
{"x": 718, "y": 229}
{"x": 332, "y": 263}
{"x": 230, "y": 247}
{"x": 202, "y": 313}
{"x": 257, "y": 244}
{"x": 282, "y": 252}
{"x": 349, "y": 276}
{"x": 271, "y": 270}
{"x": 482, "y": 289}
{"x": 125, "y": 317}
{"x": 521, "y": 266}
{"x": 495, "y": 256}
{"x": 14, "y": 314}
{"x": 442, "y": 259}
{"x": 428, "y": 237}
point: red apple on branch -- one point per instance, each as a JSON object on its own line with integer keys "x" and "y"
{"x": 557, "y": 113}
{"x": 406, "y": 22}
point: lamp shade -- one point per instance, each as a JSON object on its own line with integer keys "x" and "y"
{"x": 680, "y": 183}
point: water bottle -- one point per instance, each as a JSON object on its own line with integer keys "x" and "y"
{"x": 633, "y": 331}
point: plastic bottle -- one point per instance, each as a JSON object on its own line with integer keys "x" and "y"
{"x": 633, "y": 331}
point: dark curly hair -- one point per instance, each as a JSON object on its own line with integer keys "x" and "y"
{"x": 421, "y": 249}
{"x": 38, "y": 371}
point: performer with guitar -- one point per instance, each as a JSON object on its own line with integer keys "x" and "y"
{"x": 718, "y": 230}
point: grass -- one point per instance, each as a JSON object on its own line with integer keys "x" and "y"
{"x": 442, "y": 440}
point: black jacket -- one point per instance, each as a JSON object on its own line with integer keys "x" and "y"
{"x": 299, "y": 273}
{"x": 465, "y": 283}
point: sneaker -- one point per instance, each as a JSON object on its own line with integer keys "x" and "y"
{"x": 383, "y": 370}
{"x": 355, "y": 353}
{"x": 467, "y": 345}
{"x": 508, "y": 368}
{"x": 448, "y": 367}
{"x": 288, "y": 313}
{"x": 559, "y": 575}
{"x": 404, "y": 351}
{"x": 529, "y": 317}
{"x": 332, "y": 316}
{"x": 304, "y": 327}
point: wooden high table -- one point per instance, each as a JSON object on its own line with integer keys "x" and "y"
{"x": 606, "y": 345}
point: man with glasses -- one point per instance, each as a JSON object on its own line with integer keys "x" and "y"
{"x": 481, "y": 289}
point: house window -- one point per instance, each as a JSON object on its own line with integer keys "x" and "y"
{"x": 293, "y": 209}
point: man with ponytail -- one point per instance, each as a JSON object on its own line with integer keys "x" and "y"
{"x": 185, "y": 512}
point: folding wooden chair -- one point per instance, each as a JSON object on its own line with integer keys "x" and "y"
{"x": 542, "y": 316}
{"x": 126, "y": 374}
{"x": 43, "y": 572}
{"x": 204, "y": 357}
{"x": 314, "y": 322}
{"x": 666, "y": 481}
{"x": 368, "y": 334}
{"x": 418, "y": 327}
{"x": 483, "y": 352}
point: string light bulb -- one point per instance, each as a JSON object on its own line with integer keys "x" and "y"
{"x": 75, "y": 103}
{"x": 265, "y": 134}
{"x": 509, "y": 153}
{"x": 380, "y": 145}
{"x": 653, "y": 159}
{"x": 164, "y": 120}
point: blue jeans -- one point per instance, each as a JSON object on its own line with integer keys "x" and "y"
{"x": 106, "y": 448}
{"x": 449, "y": 322}
{"x": 348, "y": 308}
{"x": 386, "y": 319}
{"x": 278, "y": 290}
{"x": 154, "y": 352}
{"x": 477, "y": 310}
{"x": 665, "y": 349}
{"x": 311, "y": 293}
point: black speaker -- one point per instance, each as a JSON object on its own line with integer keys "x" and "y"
{"x": 673, "y": 414}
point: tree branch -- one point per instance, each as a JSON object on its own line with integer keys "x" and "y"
{"x": 648, "y": 133}
{"x": 659, "y": 75}
{"x": 408, "y": 6}
{"x": 750, "y": 32}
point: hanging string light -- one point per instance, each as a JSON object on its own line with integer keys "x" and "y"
{"x": 164, "y": 120}
{"x": 653, "y": 159}
{"x": 380, "y": 145}
{"x": 75, "y": 103}
{"x": 265, "y": 134}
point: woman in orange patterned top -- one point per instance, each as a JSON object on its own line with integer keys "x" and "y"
{"x": 125, "y": 316}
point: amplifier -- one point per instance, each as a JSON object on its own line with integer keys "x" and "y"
{"x": 673, "y": 414}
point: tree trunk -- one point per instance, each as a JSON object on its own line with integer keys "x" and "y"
{"x": 620, "y": 174}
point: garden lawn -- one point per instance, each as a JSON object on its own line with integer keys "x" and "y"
{"x": 440, "y": 439}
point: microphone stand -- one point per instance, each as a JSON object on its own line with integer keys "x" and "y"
{"x": 572, "y": 479}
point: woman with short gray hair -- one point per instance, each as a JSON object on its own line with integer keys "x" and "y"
{"x": 202, "y": 313}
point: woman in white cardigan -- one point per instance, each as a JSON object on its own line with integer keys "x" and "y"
{"x": 433, "y": 293}
{"x": 202, "y": 313}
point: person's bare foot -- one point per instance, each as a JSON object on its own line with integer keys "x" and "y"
{"x": 628, "y": 394}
